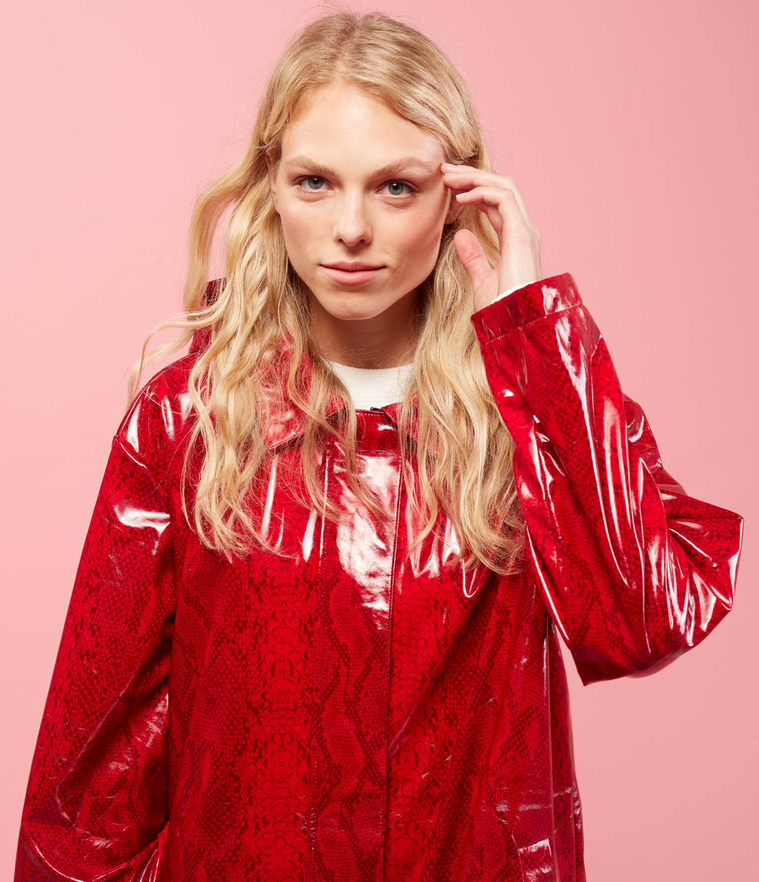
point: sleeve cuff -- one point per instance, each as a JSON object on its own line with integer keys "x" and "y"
{"x": 525, "y": 304}
{"x": 508, "y": 291}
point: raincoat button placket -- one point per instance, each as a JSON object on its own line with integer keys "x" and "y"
{"x": 351, "y": 667}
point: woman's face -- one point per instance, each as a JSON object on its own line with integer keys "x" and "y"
{"x": 341, "y": 197}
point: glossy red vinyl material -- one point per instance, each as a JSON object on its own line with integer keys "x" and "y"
{"x": 347, "y": 715}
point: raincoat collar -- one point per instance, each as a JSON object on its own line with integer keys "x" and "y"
{"x": 285, "y": 421}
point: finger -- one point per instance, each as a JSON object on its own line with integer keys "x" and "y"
{"x": 489, "y": 209}
{"x": 501, "y": 207}
{"x": 475, "y": 176}
{"x": 472, "y": 256}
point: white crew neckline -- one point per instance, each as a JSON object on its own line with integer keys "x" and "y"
{"x": 373, "y": 387}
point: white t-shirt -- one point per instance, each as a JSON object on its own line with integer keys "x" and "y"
{"x": 373, "y": 387}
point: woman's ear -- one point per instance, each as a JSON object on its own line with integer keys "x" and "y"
{"x": 272, "y": 180}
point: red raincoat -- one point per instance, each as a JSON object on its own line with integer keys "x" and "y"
{"x": 343, "y": 716}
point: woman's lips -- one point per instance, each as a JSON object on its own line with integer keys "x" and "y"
{"x": 351, "y": 277}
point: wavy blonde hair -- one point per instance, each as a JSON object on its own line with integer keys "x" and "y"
{"x": 463, "y": 448}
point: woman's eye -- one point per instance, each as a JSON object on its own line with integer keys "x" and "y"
{"x": 308, "y": 178}
{"x": 409, "y": 188}
{"x": 319, "y": 179}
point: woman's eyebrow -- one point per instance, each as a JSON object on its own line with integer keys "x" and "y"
{"x": 397, "y": 166}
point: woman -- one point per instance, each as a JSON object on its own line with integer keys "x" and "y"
{"x": 314, "y": 640}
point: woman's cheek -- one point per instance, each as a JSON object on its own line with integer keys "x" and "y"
{"x": 299, "y": 217}
{"x": 420, "y": 239}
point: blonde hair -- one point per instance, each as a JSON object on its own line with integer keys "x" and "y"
{"x": 463, "y": 446}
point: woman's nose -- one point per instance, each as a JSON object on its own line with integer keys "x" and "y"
{"x": 352, "y": 224}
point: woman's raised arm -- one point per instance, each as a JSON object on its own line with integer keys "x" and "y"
{"x": 632, "y": 569}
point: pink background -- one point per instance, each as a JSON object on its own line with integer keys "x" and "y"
{"x": 630, "y": 130}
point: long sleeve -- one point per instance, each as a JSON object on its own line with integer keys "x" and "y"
{"x": 96, "y": 800}
{"x": 633, "y": 570}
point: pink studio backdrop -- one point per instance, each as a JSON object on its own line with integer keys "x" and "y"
{"x": 628, "y": 128}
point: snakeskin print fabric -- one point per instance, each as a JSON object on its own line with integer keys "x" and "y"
{"x": 346, "y": 714}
